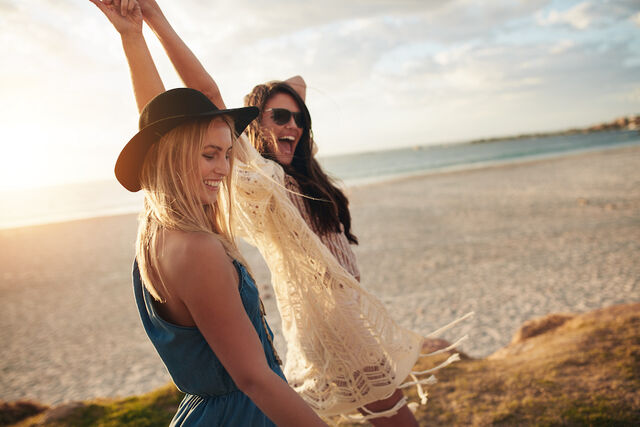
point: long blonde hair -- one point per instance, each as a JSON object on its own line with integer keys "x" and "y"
{"x": 170, "y": 181}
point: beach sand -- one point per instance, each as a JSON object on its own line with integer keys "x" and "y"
{"x": 508, "y": 242}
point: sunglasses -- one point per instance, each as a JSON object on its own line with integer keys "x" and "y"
{"x": 281, "y": 116}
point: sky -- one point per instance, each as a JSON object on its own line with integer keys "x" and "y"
{"x": 380, "y": 74}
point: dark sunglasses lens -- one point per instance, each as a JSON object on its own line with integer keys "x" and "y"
{"x": 280, "y": 115}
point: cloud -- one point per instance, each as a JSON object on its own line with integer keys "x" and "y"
{"x": 249, "y": 21}
{"x": 561, "y": 46}
{"x": 337, "y": 43}
{"x": 579, "y": 17}
{"x": 380, "y": 73}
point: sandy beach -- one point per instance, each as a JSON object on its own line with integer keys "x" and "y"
{"x": 508, "y": 242}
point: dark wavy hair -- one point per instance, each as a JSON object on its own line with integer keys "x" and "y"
{"x": 327, "y": 203}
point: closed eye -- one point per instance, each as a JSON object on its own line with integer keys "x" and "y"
{"x": 211, "y": 151}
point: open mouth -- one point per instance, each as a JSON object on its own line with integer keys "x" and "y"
{"x": 286, "y": 144}
{"x": 212, "y": 184}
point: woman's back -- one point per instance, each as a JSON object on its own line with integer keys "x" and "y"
{"x": 212, "y": 397}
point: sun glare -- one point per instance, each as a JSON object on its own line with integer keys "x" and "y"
{"x": 30, "y": 159}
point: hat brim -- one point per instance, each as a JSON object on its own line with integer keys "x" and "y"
{"x": 131, "y": 158}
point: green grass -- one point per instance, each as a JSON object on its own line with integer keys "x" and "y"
{"x": 154, "y": 409}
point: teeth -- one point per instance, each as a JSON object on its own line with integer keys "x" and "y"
{"x": 288, "y": 138}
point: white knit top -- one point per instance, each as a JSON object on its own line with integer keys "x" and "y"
{"x": 337, "y": 242}
{"x": 343, "y": 348}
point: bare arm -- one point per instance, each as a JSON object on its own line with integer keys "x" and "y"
{"x": 197, "y": 270}
{"x": 191, "y": 71}
{"x": 126, "y": 17}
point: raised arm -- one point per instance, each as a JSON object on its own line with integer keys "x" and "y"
{"x": 126, "y": 17}
{"x": 198, "y": 272}
{"x": 191, "y": 71}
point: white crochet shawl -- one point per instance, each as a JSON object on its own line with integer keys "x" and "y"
{"x": 343, "y": 348}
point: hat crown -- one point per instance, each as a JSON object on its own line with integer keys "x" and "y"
{"x": 180, "y": 102}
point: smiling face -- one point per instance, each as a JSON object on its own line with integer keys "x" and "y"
{"x": 287, "y": 135}
{"x": 214, "y": 162}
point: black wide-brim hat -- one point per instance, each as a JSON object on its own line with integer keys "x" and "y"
{"x": 163, "y": 113}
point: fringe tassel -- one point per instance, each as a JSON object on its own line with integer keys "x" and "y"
{"x": 450, "y": 325}
{"x": 370, "y": 414}
{"x": 444, "y": 350}
{"x": 421, "y": 392}
{"x": 453, "y": 358}
{"x": 416, "y": 382}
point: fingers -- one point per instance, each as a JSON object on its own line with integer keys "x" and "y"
{"x": 124, "y": 6}
{"x": 137, "y": 10}
{"x": 128, "y": 23}
{"x": 116, "y": 4}
{"x": 127, "y": 7}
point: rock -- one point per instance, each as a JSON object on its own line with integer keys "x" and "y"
{"x": 534, "y": 327}
{"x": 12, "y": 412}
{"x": 530, "y": 329}
{"x": 60, "y": 412}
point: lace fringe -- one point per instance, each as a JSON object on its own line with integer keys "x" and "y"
{"x": 418, "y": 383}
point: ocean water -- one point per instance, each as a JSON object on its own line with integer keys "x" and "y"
{"x": 354, "y": 169}
{"x": 103, "y": 198}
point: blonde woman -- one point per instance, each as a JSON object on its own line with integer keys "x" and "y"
{"x": 198, "y": 303}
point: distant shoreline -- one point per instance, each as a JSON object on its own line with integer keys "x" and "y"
{"x": 544, "y": 135}
{"x": 352, "y": 184}
{"x": 629, "y": 123}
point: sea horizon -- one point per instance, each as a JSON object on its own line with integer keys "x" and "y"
{"x": 101, "y": 198}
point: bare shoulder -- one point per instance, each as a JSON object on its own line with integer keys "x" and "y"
{"x": 193, "y": 259}
{"x": 184, "y": 244}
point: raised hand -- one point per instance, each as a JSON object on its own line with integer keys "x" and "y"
{"x": 150, "y": 9}
{"x": 127, "y": 20}
{"x": 125, "y": 15}
{"x": 186, "y": 63}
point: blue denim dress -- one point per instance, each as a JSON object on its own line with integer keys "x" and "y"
{"x": 212, "y": 398}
